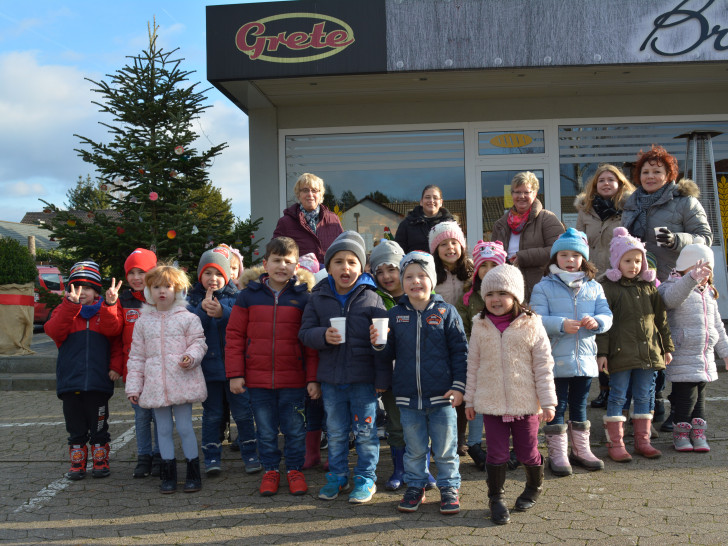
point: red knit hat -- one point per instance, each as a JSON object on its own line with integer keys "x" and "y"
{"x": 142, "y": 258}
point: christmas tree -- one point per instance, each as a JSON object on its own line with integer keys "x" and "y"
{"x": 153, "y": 174}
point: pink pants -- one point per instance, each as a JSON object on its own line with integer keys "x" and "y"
{"x": 525, "y": 439}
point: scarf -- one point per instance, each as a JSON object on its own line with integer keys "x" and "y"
{"x": 603, "y": 207}
{"x": 311, "y": 217}
{"x": 139, "y": 295}
{"x": 571, "y": 279}
{"x": 518, "y": 221}
{"x": 88, "y": 311}
{"x": 644, "y": 202}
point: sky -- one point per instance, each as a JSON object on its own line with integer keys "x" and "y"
{"x": 49, "y": 48}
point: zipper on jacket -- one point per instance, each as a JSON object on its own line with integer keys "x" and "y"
{"x": 87, "y": 334}
{"x": 273, "y": 341}
{"x": 576, "y": 339}
{"x": 164, "y": 366}
{"x": 417, "y": 363}
{"x": 707, "y": 336}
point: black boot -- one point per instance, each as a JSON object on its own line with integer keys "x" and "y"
{"x": 478, "y": 455}
{"x": 168, "y": 474}
{"x": 143, "y": 466}
{"x": 156, "y": 464}
{"x": 601, "y": 400}
{"x": 193, "y": 481}
{"x": 534, "y": 486}
{"x": 496, "y": 478}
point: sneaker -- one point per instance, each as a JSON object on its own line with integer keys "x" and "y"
{"x": 213, "y": 468}
{"x": 324, "y": 441}
{"x": 334, "y": 485}
{"x": 449, "y": 502}
{"x": 413, "y": 497}
{"x": 363, "y": 491}
{"x": 270, "y": 482}
{"x": 297, "y": 482}
{"x": 252, "y": 465}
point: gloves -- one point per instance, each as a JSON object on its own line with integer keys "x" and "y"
{"x": 665, "y": 237}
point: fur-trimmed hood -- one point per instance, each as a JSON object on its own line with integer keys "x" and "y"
{"x": 687, "y": 188}
{"x": 254, "y": 273}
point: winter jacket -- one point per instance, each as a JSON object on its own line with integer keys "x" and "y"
{"x": 451, "y": 289}
{"x": 696, "y": 329}
{"x": 84, "y": 346}
{"x": 599, "y": 233}
{"x": 161, "y": 340}
{"x": 213, "y": 364}
{"x": 640, "y": 335}
{"x": 431, "y": 353}
{"x": 352, "y": 361}
{"x": 539, "y": 234}
{"x": 129, "y": 309}
{"x": 510, "y": 373}
{"x": 387, "y": 298}
{"x": 575, "y": 355}
{"x": 293, "y": 224}
{"x": 469, "y": 312}
{"x": 262, "y": 341}
{"x": 679, "y": 211}
{"x": 413, "y": 232}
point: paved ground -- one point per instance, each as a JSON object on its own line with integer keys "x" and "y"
{"x": 678, "y": 499}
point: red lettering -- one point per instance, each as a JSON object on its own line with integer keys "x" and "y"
{"x": 338, "y": 38}
{"x": 298, "y": 40}
{"x": 317, "y": 36}
{"x": 241, "y": 39}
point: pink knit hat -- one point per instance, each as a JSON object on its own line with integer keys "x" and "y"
{"x": 485, "y": 252}
{"x": 623, "y": 242}
{"x": 443, "y": 231}
{"x": 309, "y": 262}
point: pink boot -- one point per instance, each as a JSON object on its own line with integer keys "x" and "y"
{"x": 642, "y": 446}
{"x": 697, "y": 436}
{"x": 581, "y": 453}
{"x": 313, "y": 449}
{"x": 557, "y": 443}
{"x": 614, "y": 428}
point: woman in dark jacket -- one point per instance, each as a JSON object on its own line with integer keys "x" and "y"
{"x": 413, "y": 231}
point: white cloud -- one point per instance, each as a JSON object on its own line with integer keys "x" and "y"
{"x": 24, "y": 189}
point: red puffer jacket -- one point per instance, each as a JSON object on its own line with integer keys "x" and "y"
{"x": 130, "y": 309}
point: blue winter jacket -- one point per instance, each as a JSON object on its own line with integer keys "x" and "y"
{"x": 352, "y": 361}
{"x": 431, "y": 353}
{"x": 574, "y": 354}
{"x": 213, "y": 365}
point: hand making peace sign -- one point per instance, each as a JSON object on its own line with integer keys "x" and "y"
{"x": 74, "y": 294}
{"x": 112, "y": 294}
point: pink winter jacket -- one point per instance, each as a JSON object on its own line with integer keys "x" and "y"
{"x": 510, "y": 373}
{"x": 161, "y": 339}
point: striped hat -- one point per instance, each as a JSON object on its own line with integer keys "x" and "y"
{"x": 85, "y": 273}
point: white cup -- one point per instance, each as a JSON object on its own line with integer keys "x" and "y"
{"x": 657, "y": 230}
{"x": 382, "y": 325}
{"x": 340, "y": 324}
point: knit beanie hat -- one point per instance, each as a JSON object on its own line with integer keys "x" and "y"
{"x": 651, "y": 260}
{"x": 142, "y": 258}
{"x": 385, "y": 253}
{"x": 309, "y": 262}
{"x": 485, "y": 252}
{"x": 690, "y": 255}
{"x": 571, "y": 239}
{"x": 219, "y": 258}
{"x": 85, "y": 273}
{"x": 623, "y": 242}
{"x": 348, "y": 240}
{"x": 424, "y": 260}
{"x": 507, "y": 278}
{"x": 443, "y": 231}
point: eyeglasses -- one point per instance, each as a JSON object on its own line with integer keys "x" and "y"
{"x": 521, "y": 193}
{"x": 309, "y": 190}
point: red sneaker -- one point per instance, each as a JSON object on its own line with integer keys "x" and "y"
{"x": 297, "y": 483}
{"x": 270, "y": 482}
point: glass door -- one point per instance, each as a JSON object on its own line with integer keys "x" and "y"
{"x": 495, "y": 191}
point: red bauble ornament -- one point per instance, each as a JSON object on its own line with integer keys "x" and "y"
{"x": 153, "y": 196}
{"x": 119, "y": 230}
{"x": 171, "y": 234}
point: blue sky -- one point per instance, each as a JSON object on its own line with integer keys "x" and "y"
{"x": 47, "y": 48}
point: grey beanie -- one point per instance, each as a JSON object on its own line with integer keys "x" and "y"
{"x": 387, "y": 252}
{"x": 219, "y": 258}
{"x": 424, "y": 260}
{"x": 348, "y": 240}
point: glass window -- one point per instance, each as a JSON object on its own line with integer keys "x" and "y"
{"x": 52, "y": 281}
{"x": 496, "y": 192}
{"x": 511, "y": 143}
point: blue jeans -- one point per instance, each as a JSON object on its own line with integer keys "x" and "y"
{"x": 212, "y": 417}
{"x": 475, "y": 430}
{"x": 438, "y": 424}
{"x": 571, "y": 391}
{"x": 284, "y": 409}
{"x": 643, "y": 385}
{"x": 143, "y": 419}
{"x": 352, "y": 407}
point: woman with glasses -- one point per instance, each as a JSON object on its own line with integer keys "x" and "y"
{"x": 527, "y": 230}
{"x": 414, "y": 230}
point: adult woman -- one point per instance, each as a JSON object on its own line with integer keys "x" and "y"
{"x": 527, "y": 230}
{"x": 413, "y": 231}
{"x": 600, "y": 211}
{"x": 309, "y": 222}
{"x": 660, "y": 202}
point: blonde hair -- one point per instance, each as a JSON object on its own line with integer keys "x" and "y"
{"x": 625, "y": 186}
{"x": 525, "y": 178}
{"x": 308, "y": 180}
{"x": 167, "y": 275}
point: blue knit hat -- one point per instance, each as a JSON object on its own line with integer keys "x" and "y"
{"x": 572, "y": 239}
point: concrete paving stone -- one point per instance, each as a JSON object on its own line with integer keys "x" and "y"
{"x": 577, "y": 534}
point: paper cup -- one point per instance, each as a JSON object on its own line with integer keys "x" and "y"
{"x": 340, "y": 324}
{"x": 657, "y": 230}
{"x": 382, "y": 325}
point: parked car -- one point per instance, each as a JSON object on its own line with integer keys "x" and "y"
{"x": 49, "y": 277}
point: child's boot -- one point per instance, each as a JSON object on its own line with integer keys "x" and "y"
{"x": 143, "y": 467}
{"x": 395, "y": 481}
{"x": 681, "y": 437}
{"x": 193, "y": 480}
{"x": 101, "y": 461}
{"x": 156, "y": 465}
{"x": 557, "y": 444}
{"x": 313, "y": 449}
{"x": 697, "y": 436}
{"x": 478, "y": 455}
{"x": 79, "y": 457}
{"x": 642, "y": 446}
{"x": 499, "y": 513}
{"x": 534, "y": 487}
{"x": 614, "y": 429}
{"x": 168, "y": 475}
{"x": 581, "y": 454}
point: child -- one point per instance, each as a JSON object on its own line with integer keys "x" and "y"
{"x": 82, "y": 327}
{"x": 573, "y": 309}
{"x": 349, "y": 377}
{"x": 212, "y": 299}
{"x": 164, "y": 370}
{"x": 428, "y": 342}
{"x": 131, "y": 301}
{"x": 486, "y": 256}
{"x": 637, "y": 345}
{"x": 692, "y": 311}
{"x": 453, "y": 267}
{"x": 510, "y": 376}
{"x": 264, "y": 356}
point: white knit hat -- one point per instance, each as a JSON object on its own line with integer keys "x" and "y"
{"x": 690, "y": 255}
{"x": 507, "y": 278}
{"x": 443, "y": 231}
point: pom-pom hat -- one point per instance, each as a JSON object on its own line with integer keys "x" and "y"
{"x": 574, "y": 240}
{"x": 623, "y": 242}
{"x": 485, "y": 252}
{"x": 506, "y": 278}
{"x": 141, "y": 258}
{"x": 690, "y": 255}
{"x": 445, "y": 230}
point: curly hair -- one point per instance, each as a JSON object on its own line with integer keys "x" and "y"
{"x": 656, "y": 154}
{"x": 625, "y": 186}
{"x": 167, "y": 275}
